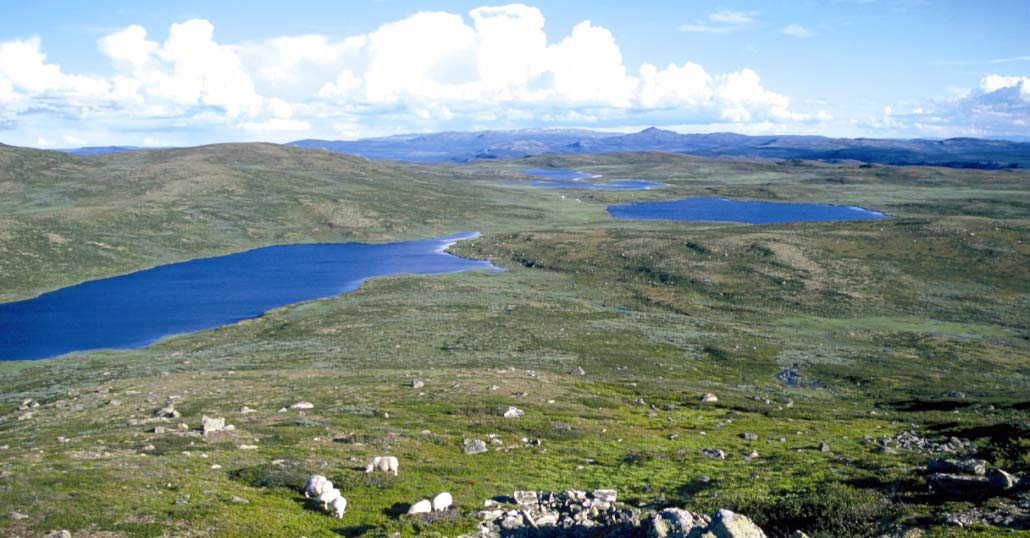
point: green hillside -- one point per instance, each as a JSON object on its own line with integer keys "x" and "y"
{"x": 843, "y": 333}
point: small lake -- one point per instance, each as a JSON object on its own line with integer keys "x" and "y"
{"x": 748, "y": 212}
{"x": 137, "y": 309}
{"x": 573, "y": 179}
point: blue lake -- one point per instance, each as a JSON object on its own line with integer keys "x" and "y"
{"x": 137, "y": 309}
{"x": 573, "y": 179}
{"x": 749, "y": 212}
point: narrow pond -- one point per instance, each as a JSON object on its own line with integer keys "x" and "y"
{"x": 137, "y": 309}
{"x": 748, "y": 212}
{"x": 559, "y": 178}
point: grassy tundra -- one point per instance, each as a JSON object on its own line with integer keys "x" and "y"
{"x": 884, "y": 323}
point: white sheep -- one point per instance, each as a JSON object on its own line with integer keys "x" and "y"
{"x": 385, "y": 464}
{"x": 421, "y": 507}
{"x": 327, "y": 497}
{"x": 442, "y": 502}
{"x": 314, "y": 486}
{"x": 338, "y": 506}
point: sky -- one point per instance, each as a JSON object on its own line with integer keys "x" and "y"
{"x": 146, "y": 73}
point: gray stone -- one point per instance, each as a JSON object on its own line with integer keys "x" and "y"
{"x": 823, "y": 446}
{"x": 1000, "y": 479}
{"x": 167, "y": 411}
{"x": 302, "y": 405}
{"x": 417, "y": 383}
{"x": 511, "y": 412}
{"x": 210, "y": 425}
{"x": 726, "y": 524}
{"x": 239, "y": 500}
{"x": 673, "y": 523}
{"x": 748, "y": 436}
{"x": 713, "y": 453}
{"x": 473, "y": 446}
{"x": 578, "y": 371}
{"x": 708, "y": 397}
{"x": 605, "y": 495}
{"x": 525, "y": 497}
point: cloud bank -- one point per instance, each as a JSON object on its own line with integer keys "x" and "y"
{"x": 493, "y": 67}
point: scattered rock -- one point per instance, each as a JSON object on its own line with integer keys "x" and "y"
{"x": 974, "y": 466}
{"x": 578, "y": 371}
{"x": 823, "y": 447}
{"x": 1000, "y": 479}
{"x": 59, "y": 534}
{"x": 708, "y": 397}
{"x": 525, "y": 497}
{"x": 210, "y": 425}
{"x": 511, "y": 412}
{"x": 417, "y": 383}
{"x": 473, "y": 446}
{"x": 713, "y": 453}
{"x": 302, "y": 405}
{"x": 18, "y": 515}
{"x": 748, "y": 436}
{"x": 27, "y": 404}
{"x": 239, "y": 500}
{"x": 246, "y": 411}
{"x": 167, "y": 411}
{"x": 727, "y": 524}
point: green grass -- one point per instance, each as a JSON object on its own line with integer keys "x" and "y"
{"x": 882, "y": 319}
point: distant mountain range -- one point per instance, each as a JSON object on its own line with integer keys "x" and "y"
{"x": 470, "y": 146}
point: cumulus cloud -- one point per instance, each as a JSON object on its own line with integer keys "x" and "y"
{"x": 999, "y": 105}
{"x": 493, "y": 67}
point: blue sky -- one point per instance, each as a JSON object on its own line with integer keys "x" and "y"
{"x": 184, "y": 73}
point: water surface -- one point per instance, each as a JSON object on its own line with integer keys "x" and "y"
{"x": 749, "y": 212}
{"x": 137, "y": 309}
{"x": 560, "y": 178}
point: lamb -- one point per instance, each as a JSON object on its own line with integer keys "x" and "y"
{"x": 442, "y": 502}
{"x": 383, "y": 463}
{"x": 421, "y": 507}
{"x": 338, "y": 506}
{"x": 328, "y": 496}
{"x": 313, "y": 488}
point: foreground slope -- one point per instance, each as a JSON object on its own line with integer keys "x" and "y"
{"x": 882, "y": 340}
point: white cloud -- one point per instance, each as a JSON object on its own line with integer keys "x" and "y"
{"x": 796, "y": 30}
{"x": 24, "y": 66}
{"x": 587, "y": 67}
{"x": 720, "y": 22}
{"x": 277, "y": 125}
{"x": 493, "y": 67}
{"x": 999, "y": 105}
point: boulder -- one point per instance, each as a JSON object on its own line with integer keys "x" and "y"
{"x": 748, "y": 436}
{"x": 167, "y": 411}
{"x": 674, "y": 523}
{"x": 823, "y": 446}
{"x": 473, "y": 446}
{"x": 578, "y": 371}
{"x": 999, "y": 479}
{"x": 210, "y": 425}
{"x": 417, "y": 383}
{"x": 727, "y": 524}
{"x": 708, "y": 397}
{"x": 302, "y": 405}
{"x": 511, "y": 412}
{"x": 713, "y": 453}
{"x": 604, "y": 495}
{"x": 525, "y": 497}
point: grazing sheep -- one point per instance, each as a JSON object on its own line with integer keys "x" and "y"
{"x": 314, "y": 486}
{"x": 421, "y": 507}
{"x": 442, "y": 502}
{"x": 338, "y": 506}
{"x": 385, "y": 464}
{"x": 328, "y": 496}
